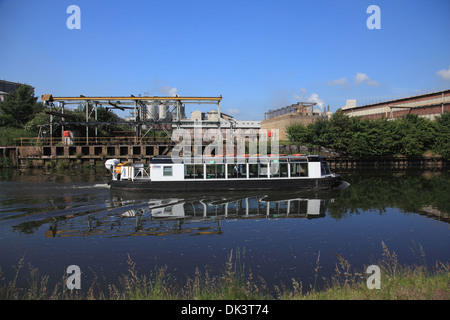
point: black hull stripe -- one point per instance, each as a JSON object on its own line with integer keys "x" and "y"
{"x": 229, "y": 185}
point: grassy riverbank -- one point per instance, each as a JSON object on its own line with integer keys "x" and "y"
{"x": 236, "y": 282}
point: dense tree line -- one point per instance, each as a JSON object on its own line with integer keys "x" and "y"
{"x": 409, "y": 136}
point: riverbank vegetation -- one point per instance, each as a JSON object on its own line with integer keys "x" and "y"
{"x": 408, "y": 136}
{"x": 237, "y": 282}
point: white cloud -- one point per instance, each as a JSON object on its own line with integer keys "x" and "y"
{"x": 315, "y": 98}
{"x": 338, "y": 82}
{"x": 168, "y": 91}
{"x": 312, "y": 98}
{"x": 233, "y": 111}
{"x": 361, "y": 78}
{"x": 444, "y": 74}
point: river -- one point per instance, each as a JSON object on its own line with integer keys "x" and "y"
{"x": 54, "y": 219}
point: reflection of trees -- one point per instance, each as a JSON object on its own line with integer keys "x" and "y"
{"x": 408, "y": 192}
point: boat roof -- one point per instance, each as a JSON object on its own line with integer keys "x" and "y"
{"x": 233, "y": 158}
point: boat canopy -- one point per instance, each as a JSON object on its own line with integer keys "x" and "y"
{"x": 234, "y": 159}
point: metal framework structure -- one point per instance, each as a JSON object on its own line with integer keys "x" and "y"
{"x": 299, "y": 107}
{"x": 170, "y": 113}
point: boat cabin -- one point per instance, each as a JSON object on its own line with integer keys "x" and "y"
{"x": 166, "y": 168}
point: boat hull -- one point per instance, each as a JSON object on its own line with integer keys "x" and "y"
{"x": 230, "y": 184}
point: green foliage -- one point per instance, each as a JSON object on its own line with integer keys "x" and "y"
{"x": 340, "y": 132}
{"x": 16, "y": 112}
{"x": 19, "y": 107}
{"x": 441, "y": 143}
{"x": 298, "y": 134}
{"x": 39, "y": 119}
{"x": 9, "y": 136}
{"x": 413, "y": 135}
{"x": 408, "y": 136}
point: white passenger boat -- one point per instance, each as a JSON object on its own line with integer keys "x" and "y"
{"x": 165, "y": 173}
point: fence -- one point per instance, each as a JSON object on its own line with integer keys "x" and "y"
{"x": 123, "y": 140}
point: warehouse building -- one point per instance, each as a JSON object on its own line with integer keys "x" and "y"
{"x": 429, "y": 105}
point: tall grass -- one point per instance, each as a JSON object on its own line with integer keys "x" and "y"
{"x": 237, "y": 282}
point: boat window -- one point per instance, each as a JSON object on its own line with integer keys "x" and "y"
{"x": 298, "y": 160}
{"x": 193, "y": 171}
{"x": 168, "y": 210}
{"x": 215, "y": 171}
{"x": 167, "y": 171}
{"x": 299, "y": 169}
{"x": 238, "y": 170}
{"x": 278, "y": 170}
{"x": 325, "y": 168}
{"x": 257, "y": 170}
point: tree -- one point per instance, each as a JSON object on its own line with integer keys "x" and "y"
{"x": 362, "y": 140}
{"x": 340, "y": 133}
{"x": 298, "y": 134}
{"x": 370, "y": 138}
{"x": 441, "y": 143}
{"x": 413, "y": 135}
{"x": 19, "y": 107}
{"x": 409, "y": 136}
{"x": 312, "y": 135}
{"x": 319, "y": 133}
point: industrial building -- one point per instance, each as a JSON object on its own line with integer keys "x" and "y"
{"x": 9, "y": 86}
{"x": 148, "y": 113}
{"x": 429, "y": 105}
{"x": 301, "y": 112}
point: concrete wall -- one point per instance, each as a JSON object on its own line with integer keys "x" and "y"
{"x": 286, "y": 120}
{"x": 39, "y": 155}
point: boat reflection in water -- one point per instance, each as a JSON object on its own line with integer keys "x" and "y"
{"x": 170, "y": 216}
{"x": 204, "y": 216}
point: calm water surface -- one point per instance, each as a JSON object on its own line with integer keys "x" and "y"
{"x": 57, "y": 219}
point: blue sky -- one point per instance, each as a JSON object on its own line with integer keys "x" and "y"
{"x": 258, "y": 55}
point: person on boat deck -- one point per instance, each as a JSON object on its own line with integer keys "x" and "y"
{"x": 236, "y": 171}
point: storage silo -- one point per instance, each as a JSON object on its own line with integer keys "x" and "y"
{"x": 152, "y": 112}
{"x": 164, "y": 113}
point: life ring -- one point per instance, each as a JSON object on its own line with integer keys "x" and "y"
{"x": 118, "y": 168}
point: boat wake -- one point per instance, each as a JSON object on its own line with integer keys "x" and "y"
{"x": 95, "y": 186}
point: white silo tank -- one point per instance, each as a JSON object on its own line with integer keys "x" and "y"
{"x": 163, "y": 112}
{"x": 152, "y": 112}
